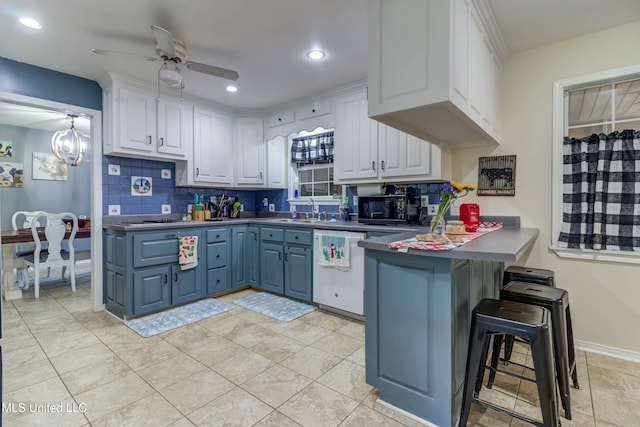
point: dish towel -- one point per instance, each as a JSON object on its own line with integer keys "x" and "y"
{"x": 188, "y": 257}
{"x": 335, "y": 252}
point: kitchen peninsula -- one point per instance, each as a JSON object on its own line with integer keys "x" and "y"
{"x": 418, "y": 312}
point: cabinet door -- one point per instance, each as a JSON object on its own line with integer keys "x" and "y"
{"x": 217, "y": 280}
{"x": 137, "y": 120}
{"x": 401, "y": 154}
{"x": 173, "y": 129}
{"x": 272, "y": 267}
{"x": 276, "y": 163}
{"x": 238, "y": 256}
{"x": 252, "y": 254}
{"x": 155, "y": 248}
{"x": 212, "y": 157}
{"x": 114, "y": 275}
{"x": 250, "y": 149}
{"x": 185, "y": 284}
{"x": 356, "y": 141}
{"x": 151, "y": 289}
{"x": 298, "y": 272}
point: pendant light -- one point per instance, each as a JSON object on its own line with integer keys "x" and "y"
{"x": 71, "y": 145}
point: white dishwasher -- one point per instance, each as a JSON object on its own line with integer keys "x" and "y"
{"x": 337, "y": 286}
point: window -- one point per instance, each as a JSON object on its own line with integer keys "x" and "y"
{"x": 596, "y": 167}
{"x": 311, "y": 168}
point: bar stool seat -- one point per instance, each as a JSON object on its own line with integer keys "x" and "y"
{"x": 540, "y": 276}
{"x": 496, "y": 317}
{"x": 556, "y": 300}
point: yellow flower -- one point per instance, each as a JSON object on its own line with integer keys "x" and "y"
{"x": 459, "y": 188}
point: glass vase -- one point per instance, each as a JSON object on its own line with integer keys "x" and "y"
{"x": 437, "y": 226}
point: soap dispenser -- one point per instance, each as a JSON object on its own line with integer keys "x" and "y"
{"x": 294, "y": 214}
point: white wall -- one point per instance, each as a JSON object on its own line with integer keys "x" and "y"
{"x": 605, "y": 297}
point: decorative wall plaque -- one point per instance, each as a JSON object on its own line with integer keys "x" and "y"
{"x": 497, "y": 176}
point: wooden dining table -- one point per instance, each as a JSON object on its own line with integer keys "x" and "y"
{"x": 10, "y": 289}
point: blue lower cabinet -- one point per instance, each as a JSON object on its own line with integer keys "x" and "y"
{"x": 217, "y": 280}
{"x": 244, "y": 256}
{"x": 272, "y": 267}
{"x": 298, "y": 262}
{"x": 152, "y": 289}
{"x": 185, "y": 285}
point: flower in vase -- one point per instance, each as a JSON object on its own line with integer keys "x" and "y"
{"x": 450, "y": 192}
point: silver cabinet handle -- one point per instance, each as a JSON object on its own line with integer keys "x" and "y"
{"x": 161, "y": 141}
{"x": 373, "y": 166}
{"x": 382, "y": 164}
{"x": 197, "y": 171}
{"x": 150, "y": 140}
{"x": 260, "y": 175}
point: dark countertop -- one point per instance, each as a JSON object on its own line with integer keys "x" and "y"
{"x": 354, "y": 226}
{"x": 506, "y": 244}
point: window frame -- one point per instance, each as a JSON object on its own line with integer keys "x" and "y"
{"x": 560, "y": 119}
{"x": 293, "y": 175}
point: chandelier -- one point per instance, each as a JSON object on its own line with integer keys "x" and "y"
{"x": 71, "y": 145}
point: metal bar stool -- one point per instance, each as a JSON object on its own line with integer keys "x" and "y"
{"x": 516, "y": 273}
{"x": 496, "y": 317}
{"x": 556, "y": 300}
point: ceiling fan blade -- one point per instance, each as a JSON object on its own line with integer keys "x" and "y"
{"x": 164, "y": 40}
{"x": 211, "y": 70}
{"x": 115, "y": 52}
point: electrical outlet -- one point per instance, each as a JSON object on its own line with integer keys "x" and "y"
{"x": 432, "y": 209}
{"x": 272, "y": 207}
{"x": 114, "y": 209}
{"x": 166, "y": 209}
{"x": 212, "y": 199}
{"x": 355, "y": 200}
{"x": 241, "y": 207}
{"x": 265, "y": 202}
{"x": 424, "y": 201}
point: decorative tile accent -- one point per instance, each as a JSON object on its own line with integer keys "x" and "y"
{"x": 274, "y": 306}
{"x": 164, "y": 321}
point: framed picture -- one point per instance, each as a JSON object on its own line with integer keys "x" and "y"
{"x": 6, "y": 147}
{"x": 49, "y": 167}
{"x": 141, "y": 186}
{"x": 497, "y": 176}
{"x": 11, "y": 174}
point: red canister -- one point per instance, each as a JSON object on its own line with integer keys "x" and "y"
{"x": 470, "y": 215}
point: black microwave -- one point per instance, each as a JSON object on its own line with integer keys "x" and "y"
{"x": 387, "y": 209}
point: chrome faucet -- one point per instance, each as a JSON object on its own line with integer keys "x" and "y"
{"x": 313, "y": 208}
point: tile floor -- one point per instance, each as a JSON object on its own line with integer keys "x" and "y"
{"x": 236, "y": 369}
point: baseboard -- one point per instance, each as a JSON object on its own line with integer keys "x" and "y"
{"x": 408, "y": 414}
{"x": 606, "y": 350}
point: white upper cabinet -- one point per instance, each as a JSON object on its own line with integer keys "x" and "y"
{"x": 355, "y": 139}
{"x": 368, "y": 151}
{"x": 277, "y": 162}
{"x": 138, "y": 124}
{"x": 250, "y": 152}
{"x": 434, "y": 69}
{"x": 212, "y": 155}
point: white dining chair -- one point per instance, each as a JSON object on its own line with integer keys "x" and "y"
{"x": 22, "y": 219}
{"x": 53, "y": 255}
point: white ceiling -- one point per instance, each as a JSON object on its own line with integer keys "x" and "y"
{"x": 263, "y": 40}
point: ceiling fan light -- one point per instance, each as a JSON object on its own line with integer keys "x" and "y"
{"x": 30, "y": 23}
{"x": 232, "y": 88}
{"x": 171, "y": 78}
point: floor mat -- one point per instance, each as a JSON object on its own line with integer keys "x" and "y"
{"x": 280, "y": 308}
{"x": 164, "y": 321}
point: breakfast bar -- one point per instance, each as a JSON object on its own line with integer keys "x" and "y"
{"x": 418, "y": 307}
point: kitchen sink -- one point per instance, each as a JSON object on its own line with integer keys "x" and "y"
{"x": 302, "y": 221}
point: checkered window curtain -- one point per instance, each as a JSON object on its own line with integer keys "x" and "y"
{"x": 601, "y": 192}
{"x": 312, "y": 149}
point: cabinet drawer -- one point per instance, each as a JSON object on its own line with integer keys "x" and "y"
{"x": 217, "y": 280}
{"x": 316, "y": 108}
{"x": 281, "y": 119}
{"x": 272, "y": 234}
{"x": 155, "y": 248}
{"x": 298, "y": 236}
{"x": 216, "y": 235}
{"x": 216, "y": 255}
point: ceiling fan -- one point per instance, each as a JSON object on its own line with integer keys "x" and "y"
{"x": 172, "y": 53}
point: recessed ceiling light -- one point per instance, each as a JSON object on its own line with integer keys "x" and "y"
{"x": 232, "y": 88}
{"x": 316, "y": 55}
{"x": 30, "y": 22}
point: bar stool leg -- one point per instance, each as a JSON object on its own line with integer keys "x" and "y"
{"x": 474, "y": 356}
{"x": 572, "y": 351}
{"x": 541, "y": 350}
{"x": 495, "y": 358}
{"x": 561, "y": 352}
